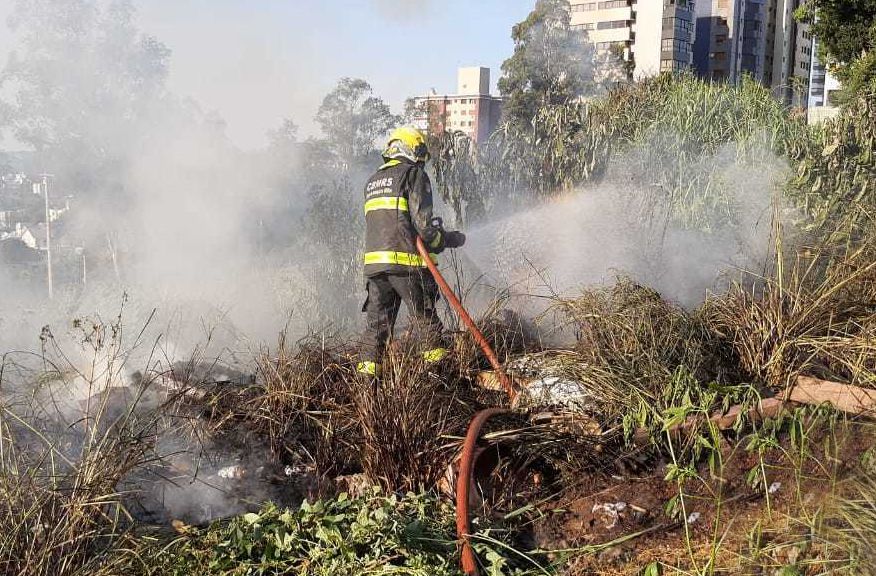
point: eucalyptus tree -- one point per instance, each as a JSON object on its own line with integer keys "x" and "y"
{"x": 552, "y": 63}
{"x": 352, "y": 120}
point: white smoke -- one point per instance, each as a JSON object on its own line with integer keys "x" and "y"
{"x": 624, "y": 226}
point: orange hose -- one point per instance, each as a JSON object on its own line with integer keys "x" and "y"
{"x": 463, "y": 488}
{"x": 466, "y": 319}
{"x": 466, "y": 460}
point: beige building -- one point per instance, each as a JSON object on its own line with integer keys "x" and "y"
{"x": 472, "y": 110}
{"x": 645, "y": 36}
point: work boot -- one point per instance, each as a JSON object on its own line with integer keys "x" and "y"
{"x": 369, "y": 372}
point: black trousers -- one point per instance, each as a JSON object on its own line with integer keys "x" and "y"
{"x": 418, "y": 290}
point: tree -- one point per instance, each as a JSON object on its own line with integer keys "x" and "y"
{"x": 435, "y": 116}
{"x": 285, "y": 136}
{"x": 75, "y": 56}
{"x": 846, "y": 35}
{"x": 551, "y": 64}
{"x": 81, "y": 80}
{"x": 352, "y": 119}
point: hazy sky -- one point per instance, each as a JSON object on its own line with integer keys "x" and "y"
{"x": 256, "y": 62}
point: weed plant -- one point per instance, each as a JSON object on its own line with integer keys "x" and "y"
{"x": 377, "y": 533}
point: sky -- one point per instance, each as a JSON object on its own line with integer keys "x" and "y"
{"x": 256, "y": 62}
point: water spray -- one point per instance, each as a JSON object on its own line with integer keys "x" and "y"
{"x": 466, "y": 460}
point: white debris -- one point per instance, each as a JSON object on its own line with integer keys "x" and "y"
{"x": 288, "y": 470}
{"x": 774, "y": 487}
{"x": 609, "y": 512}
{"x": 235, "y": 472}
{"x": 556, "y": 391}
{"x": 694, "y": 516}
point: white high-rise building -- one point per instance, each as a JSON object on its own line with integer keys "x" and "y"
{"x": 823, "y": 87}
{"x": 645, "y": 37}
{"x": 792, "y": 55}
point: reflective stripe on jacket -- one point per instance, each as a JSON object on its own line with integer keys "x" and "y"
{"x": 398, "y": 207}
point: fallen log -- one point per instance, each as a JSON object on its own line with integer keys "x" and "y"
{"x": 807, "y": 391}
{"x": 845, "y": 397}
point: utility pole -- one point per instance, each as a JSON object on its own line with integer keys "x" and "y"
{"x": 48, "y": 236}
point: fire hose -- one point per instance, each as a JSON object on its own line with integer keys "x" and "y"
{"x": 466, "y": 461}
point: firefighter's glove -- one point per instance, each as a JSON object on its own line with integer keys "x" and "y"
{"x": 454, "y": 239}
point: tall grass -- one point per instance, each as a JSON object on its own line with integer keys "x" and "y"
{"x": 835, "y": 180}
{"x": 62, "y": 512}
{"x": 677, "y": 121}
{"x": 813, "y": 315}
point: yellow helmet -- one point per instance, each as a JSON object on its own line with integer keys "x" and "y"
{"x": 408, "y": 142}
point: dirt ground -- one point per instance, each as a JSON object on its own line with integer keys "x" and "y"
{"x": 741, "y": 528}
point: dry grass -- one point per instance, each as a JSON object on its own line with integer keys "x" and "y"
{"x": 305, "y": 400}
{"x": 401, "y": 431}
{"x": 634, "y": 353}
{"x": 61, "y": 511}
{"x": 65, "y": 522}
{"x": 631, "y": 329}
{"x": 409, "y": 422}
{"x": 815, "y": 315}
{"x": 850, "y": 527}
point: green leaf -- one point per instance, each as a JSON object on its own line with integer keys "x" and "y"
{"x": 287, "y": 518}
{"x": 251, "y": 518}
{"x": 828, "y": 150}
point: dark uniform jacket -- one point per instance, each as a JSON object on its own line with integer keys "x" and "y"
{"x": 398, "y": 207}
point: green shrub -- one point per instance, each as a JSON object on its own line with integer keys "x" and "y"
{"x": 412, "y": 535}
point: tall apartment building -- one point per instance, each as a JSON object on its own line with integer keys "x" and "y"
{"x": 732, "y": 39}
{"x": 822, "y": 84}
{"x": 755, "y": 38}
{"x": 646, "y": 36}
{"x": 792, "y": 55}
{"x": 472, "y": 110}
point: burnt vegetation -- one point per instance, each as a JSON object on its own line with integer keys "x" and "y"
{"x": 642, "y": 445}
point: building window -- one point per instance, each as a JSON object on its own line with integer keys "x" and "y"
{"x": 613, "y": 24}
{"x": 611, "y": 45}
{"x": 614, "y": 4}
{"x": 586, "y": 7}
{"x": 670, "y": 44}
{"x": 673, "y": 65}
{"x": 678, "y": 24}
{"x": 585, "y": 27}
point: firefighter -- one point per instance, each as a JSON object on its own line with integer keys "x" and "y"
{"x": 398, "y": 208}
